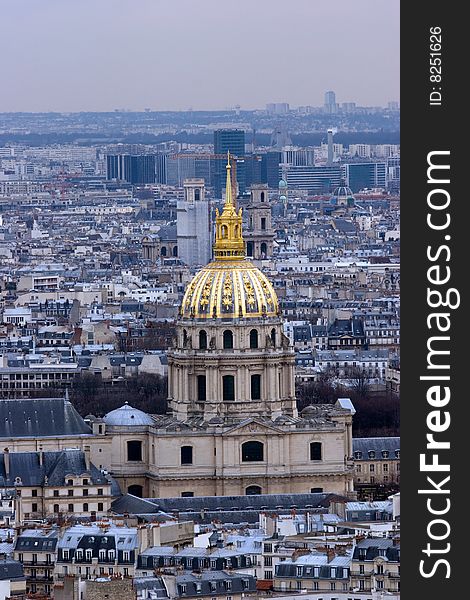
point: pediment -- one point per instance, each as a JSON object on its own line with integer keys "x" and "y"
{"x": 253, "y": 426}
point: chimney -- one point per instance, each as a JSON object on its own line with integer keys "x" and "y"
{"x": 86, "y": 451}
{"x": 330, "y": 554}
{"x": 41, "y": 456}
{"x": 6, "y": 460}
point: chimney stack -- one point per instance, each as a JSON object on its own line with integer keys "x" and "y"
{"x": 41, "y": 456}
{"x": 330, "y": 554}
{"x": 6, "y": 460}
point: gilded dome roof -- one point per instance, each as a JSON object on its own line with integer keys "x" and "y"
{"x": 230, "y": 286}
{"x": 229, "y": 290}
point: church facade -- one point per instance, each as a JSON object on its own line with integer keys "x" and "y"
{"x": 232, "y": 426}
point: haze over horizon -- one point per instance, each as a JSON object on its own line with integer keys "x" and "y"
{"x": 209, "y": 55}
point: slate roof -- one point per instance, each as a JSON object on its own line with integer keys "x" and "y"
{"x": 36, "y": 540}
{"x": 154, "y": 584}
{"x": 40, "y": 417}
{"x": 11, "y": 569}
{"x": 56, "y": 466}
{"x": 370, "y": 549}
{"x": 226, "y": 509}
{"x": 218, "y": 579}
{"x": 384, "y": 448}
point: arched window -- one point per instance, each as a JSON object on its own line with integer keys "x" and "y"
{"x": 273, "y": 336}
{"x": 249, "y": 248}
{"x": 203, "y": 340}
{"x": 163, "y": 251}
{"x": 228, "y": 339}
{"x": 315, "y": 451}
{"x": 235, "y": 231}
{"x": 136, "y": 490}
{"x": 186, "y": 455}
{"x": 175, "y": 250}
{"x": 253, "y": 490}
{"x": 197, "y": 194}
{"x": 263, "y": 223}
{"x": 228, "y": 388}
{"x": 262, "y": 196}
{"x": 252, "y": 451}
{"x": 134, "y": 450}
{"x": 256, "y": 387}
{"x": 201, "y": 388}
{"x": 264, "y": 249}
{"x": 85, "y": 507}
{"x": 254, "y": 338}
{"x": 224, "y": 232}
{"x": 56, "y": 508}
{"x": 185, "y": 338}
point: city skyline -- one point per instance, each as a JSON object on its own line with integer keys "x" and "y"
{"x": 175, "y": 56}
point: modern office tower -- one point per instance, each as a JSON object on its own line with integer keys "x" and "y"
{"x": 253, "y": 168}
{"x": 315, "y": 180}
{"x": 359, "y": 176}
{"x": 179, "y": 168}
{"x": 161, "y": 167}
{"x": 193, "y": 229}
{"x": 135, "y": 169}
{"x": 330, "y": 102}
{"x": 270, "y": 162}
{"x": 259, "y": 234}
{"x": 233, "y": 141}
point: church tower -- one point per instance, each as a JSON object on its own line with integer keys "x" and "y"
{"x": 232, "y": 360}
{"x": 259, "y": 234}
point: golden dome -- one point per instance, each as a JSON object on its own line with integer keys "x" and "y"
{"x": 230, "y": 286}
{"x": 229, "y": 290}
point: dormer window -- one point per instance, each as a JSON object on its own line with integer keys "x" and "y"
{"x": 371, "y": 453}
{"x": 358, "y": 455}
{"x": 397, "y": 453}
{"x": 385, "y": 453}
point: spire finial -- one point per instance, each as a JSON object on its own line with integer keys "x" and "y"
{"x": 228, "y": 183}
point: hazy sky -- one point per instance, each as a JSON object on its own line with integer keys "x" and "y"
{"x": 72, "y": 55}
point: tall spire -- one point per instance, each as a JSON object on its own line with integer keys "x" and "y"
{"x": 228, "y": 183}
{"x": 229, "y": 243}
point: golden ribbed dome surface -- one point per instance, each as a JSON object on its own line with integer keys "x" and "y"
{"x": 229, "y": 289}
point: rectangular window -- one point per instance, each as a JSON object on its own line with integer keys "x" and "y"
{"x": 186, "y": 455}
{"x": 201, "y": 388}
{"x": 256, "y": 387}
{"x": 228, "y": 388}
